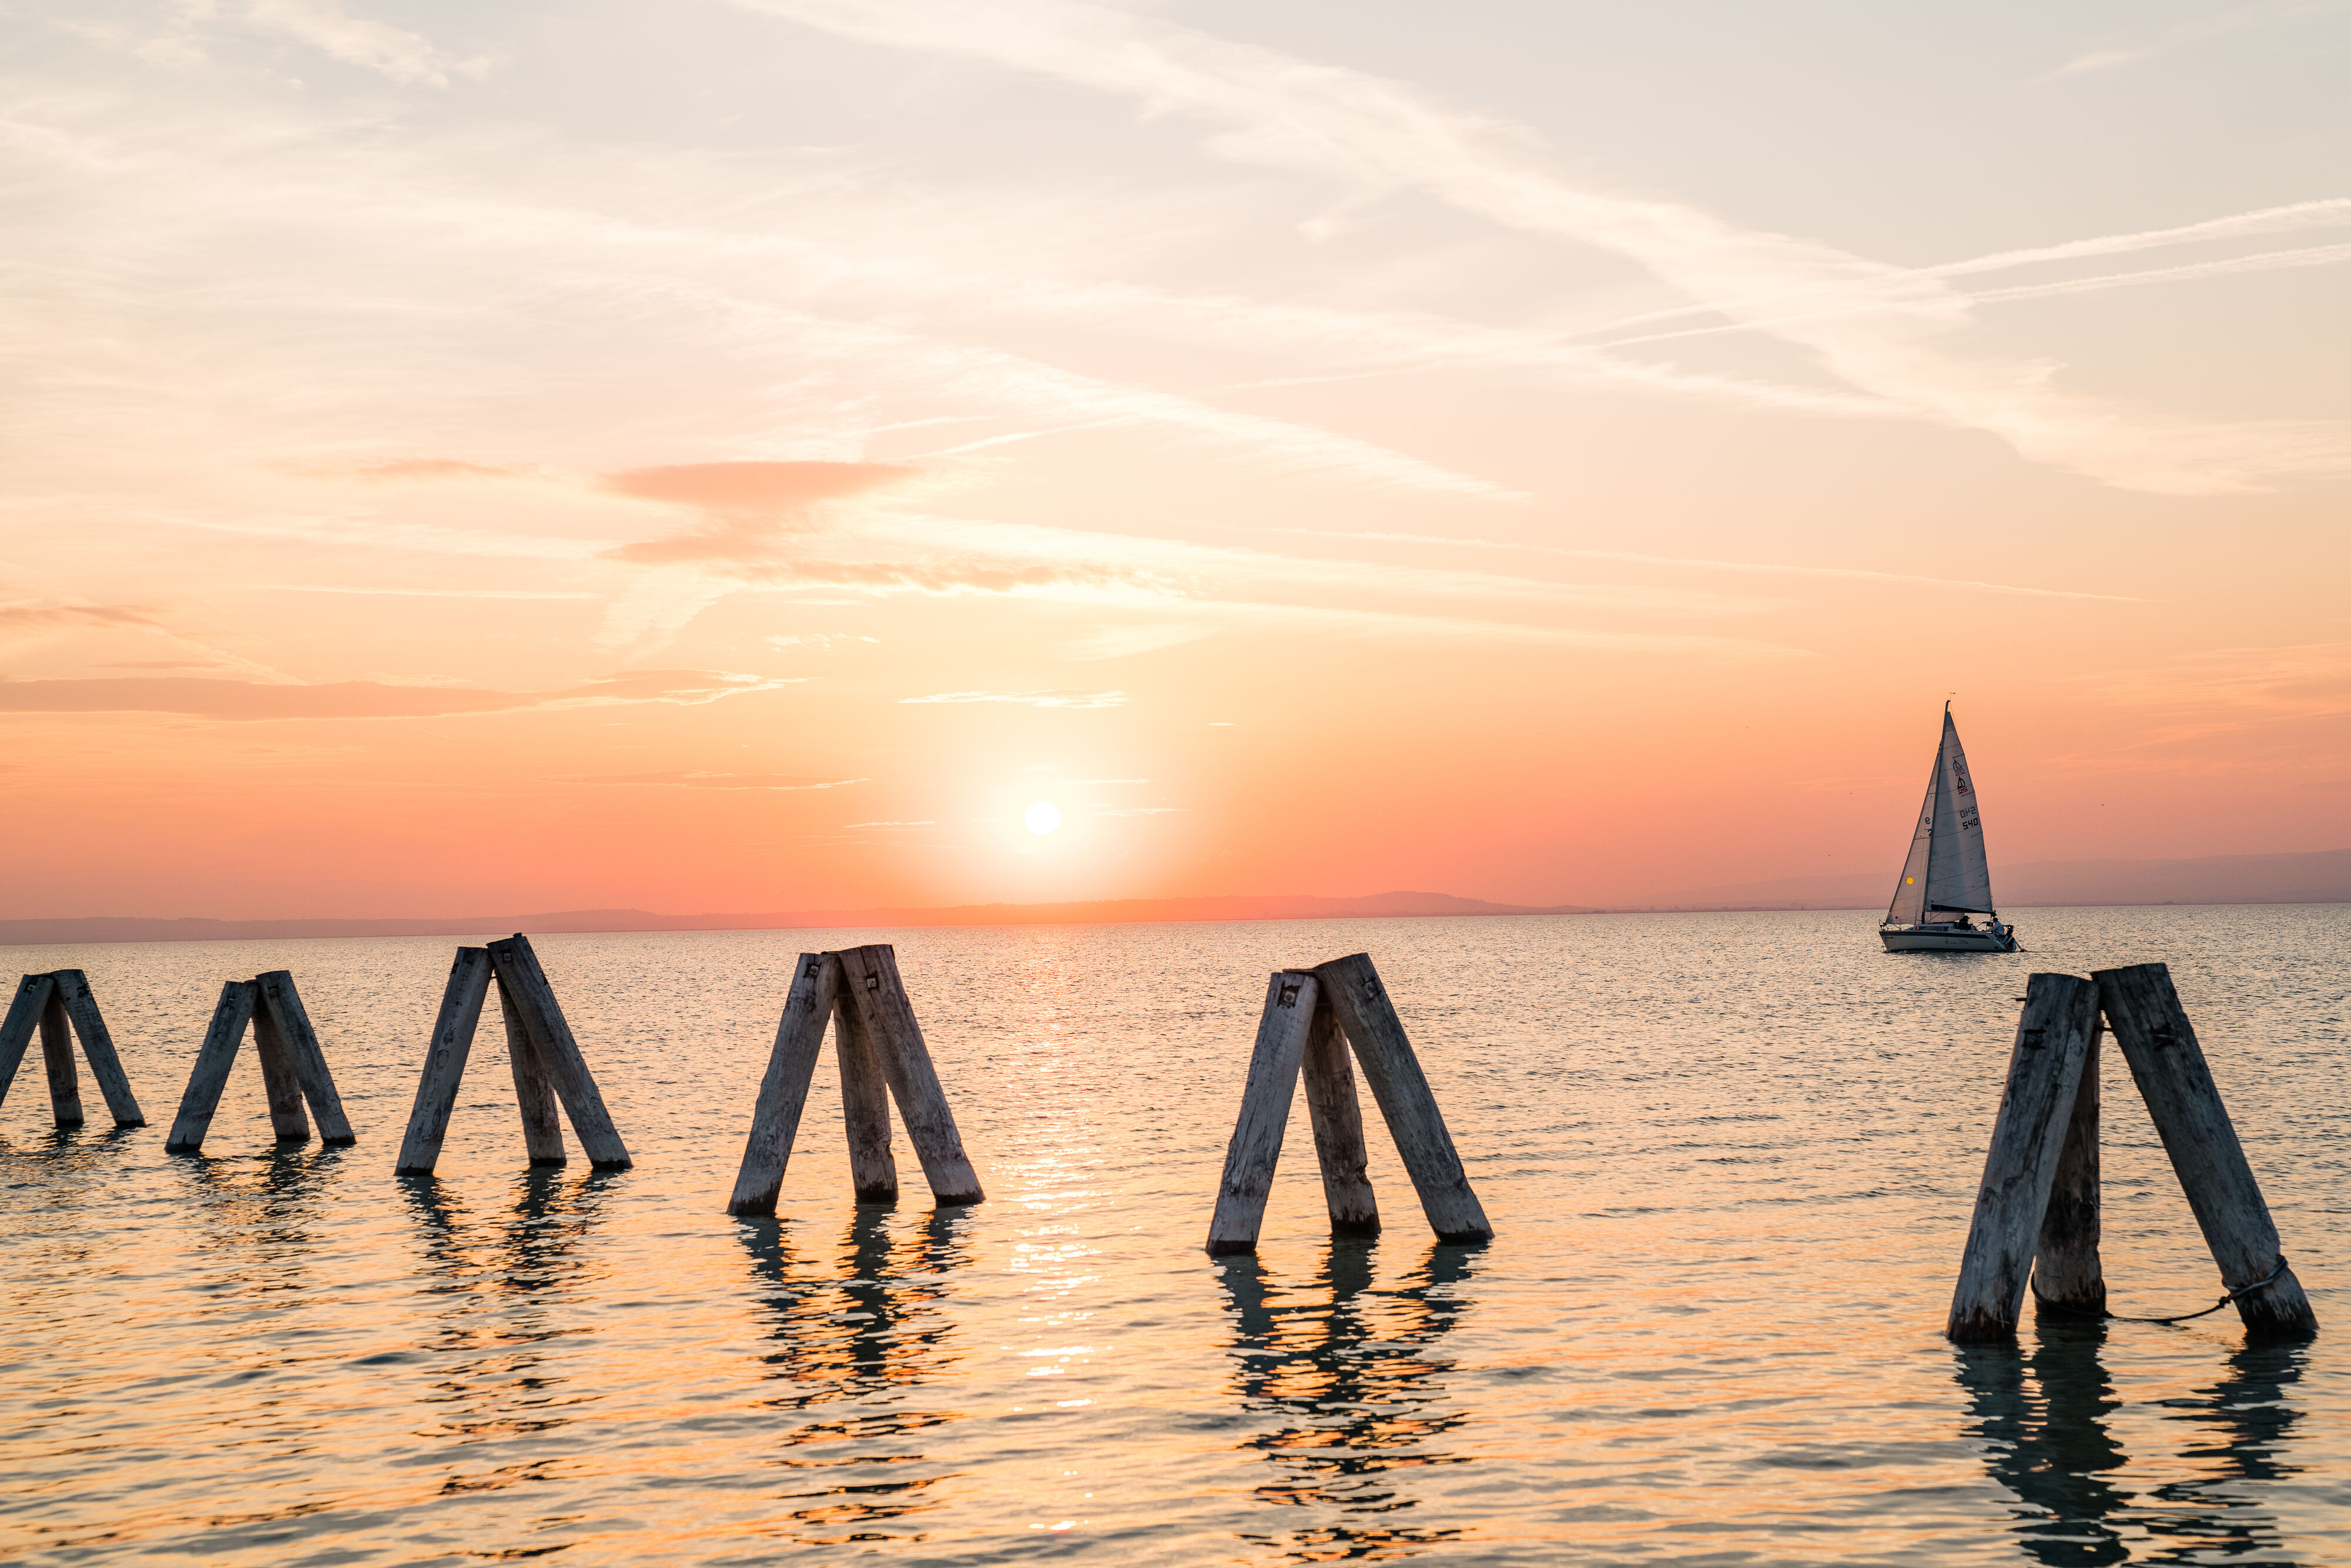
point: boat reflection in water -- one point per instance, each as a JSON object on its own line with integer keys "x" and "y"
{"x": 1356, "y": 1391}
{"x": 2044, "y": 1416}
{"x": 855, "y": 1345}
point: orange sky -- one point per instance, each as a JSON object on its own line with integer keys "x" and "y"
{"x": 740, "y": 457}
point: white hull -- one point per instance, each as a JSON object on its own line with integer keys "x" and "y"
{"x": 1932, "y": 939}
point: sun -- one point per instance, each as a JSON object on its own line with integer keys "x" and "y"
{"x": 1042, "y": 817}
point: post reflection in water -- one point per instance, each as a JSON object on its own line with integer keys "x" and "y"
{"x": 1359, "y": 1392}
{"x": 855, "y": 1344}
{"x": 502, "y": 1279}
{"x": 2045, "y": 1418}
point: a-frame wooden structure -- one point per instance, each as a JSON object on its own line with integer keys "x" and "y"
{"x": 2036, "y": 1212}
{"x": 293, "y": 1067}
{"x": 545, "y": 1061}
{"x": 1312, "y": 1017}
{"x": 880, "y": 1049}
{"x": 59, "y": 1005}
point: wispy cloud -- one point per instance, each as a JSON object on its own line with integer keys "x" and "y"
{"x": 2185, "y": 34}
{"x": 1766, "y": 568}
{"x": 1374, "y": 134}
{"x": 1029, "y": 699}
{"x": 405, "y": 58}
{"x": 417, "y": 592}
{"x": 43, "y": 617}
{"x": 704, "y": 780}
{"x": 202, "y": 698}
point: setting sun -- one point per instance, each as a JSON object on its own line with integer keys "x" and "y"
{"x": 1042, "y": 817}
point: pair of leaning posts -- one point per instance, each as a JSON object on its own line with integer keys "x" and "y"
{"x": 2036, "y": 1213}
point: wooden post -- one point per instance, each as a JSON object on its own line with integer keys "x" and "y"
{"x": 2168, "y": 1067}
{"x": 871, "y": 976}
{"x": 2065, "y": 1274}
{"x": 25, "y": 1012}
{"x": 278, "y": 1079}
{"x": 210, "y": 1074}
{"x": 1281, "y": 1031}
{"x": 2044, "y": 1069}
{"x": 865, "y": 1107}
{"x": 280, "y": 1012}
{"x": 98, "y": 1045}
{"x": 57, "y": 1055}
{"x": 783, "y": 1090}
{"x": 521, "y": 978}
{"x": 1369, "y": 1019}
{"x": 1338, "y": 1119}
{"x": 542, "y": 1120}
{"x": 444, "y": 1062}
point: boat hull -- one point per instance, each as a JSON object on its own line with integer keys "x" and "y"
{"x": 1912, "y": 939}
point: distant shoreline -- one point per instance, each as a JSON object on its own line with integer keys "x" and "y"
{"x": 93, "y": 930}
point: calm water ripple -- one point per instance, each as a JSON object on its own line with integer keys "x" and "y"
{"x": 1729, "y": 1159}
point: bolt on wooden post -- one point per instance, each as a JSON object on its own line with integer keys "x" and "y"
{"x": 2037, "y": 1212}
{"x": 1311, "y": 1018}
{"x": 881, "y": 1057}
{"x": 548, "y": 1064}
{"x": 59, "y": 1006}
{"x": 293, "y": 1066}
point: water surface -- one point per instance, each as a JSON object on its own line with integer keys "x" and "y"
{"x": 1728, "y": 1158}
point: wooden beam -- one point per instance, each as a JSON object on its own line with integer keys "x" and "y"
{"x": 2044, "y": 1069}
{"x": 210, "y": 1074}
{"x": 1405, "y": 1099}
{"x": 57, "y": 1055}
{"x": 521, "y": 977}
{"x": 783, "y": 1088}
{"x": 98, "y": 1045}
{"x": 1338, "y": 1119}
{"x": 1282, "y": 1027}
{"x": 25, "y": 1012}
{"x": 865, "y": 1107}
{"x": 279, "y": 1082}
{"x": 542, "y": 1118}
{"x": 870, "y": 975}
{"x": 444, "y": 1062}
{"x": 2167, "y": 1063}
{"x": 281, "y": 1010}
{"x": 2066, "y": 1277}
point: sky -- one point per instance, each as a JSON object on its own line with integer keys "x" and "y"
{"x": 741, "y": 456}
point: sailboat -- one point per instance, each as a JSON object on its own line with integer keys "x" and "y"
{"x": 1945, "y": 881}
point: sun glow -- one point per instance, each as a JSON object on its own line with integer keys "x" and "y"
{"x": 1042, "y": 817}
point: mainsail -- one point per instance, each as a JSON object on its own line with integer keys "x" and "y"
{"x": 1946, "y": 869}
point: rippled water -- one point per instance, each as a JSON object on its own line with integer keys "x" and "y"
{"x": 1728, "y": 1158}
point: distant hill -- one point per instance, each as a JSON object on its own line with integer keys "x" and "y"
{"x": 1123, "y": 911}
{"x": 2321, "y": 876}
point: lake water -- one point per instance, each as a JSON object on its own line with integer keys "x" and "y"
{"x": 1729, "y": 1159}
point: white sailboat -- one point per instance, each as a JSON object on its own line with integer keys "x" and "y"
{"x": 1945, "y": 881}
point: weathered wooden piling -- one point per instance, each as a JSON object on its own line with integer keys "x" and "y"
{"x": 1282, "y": 1032}
{"x": 1311, "y": 1018}
{"x": 542, "y": 1115}
{"x": 548, "y": 1066}
{"x": 2044, "y": 1071}
{"x": 869, "y": 976}
{"x": 1370, "y": 1022}
{"x": 2066, "y": 1277}
{"x": 864, "y": 1108}
{"x": 521, "y": 980}
{"x": 881, "y": 1057}
{"x": 1338, "y": 1122}
{"x": 783, "y": 1090}
{"x": 2167, "y": 1064}
{"x": 444, "y": 1061}
{"x": 293, "y": 1066}
{"x": 60, "y": 1007}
